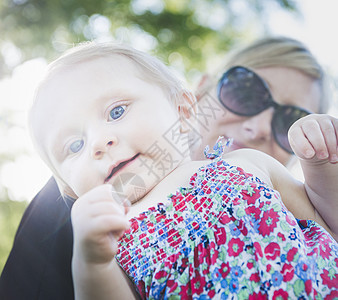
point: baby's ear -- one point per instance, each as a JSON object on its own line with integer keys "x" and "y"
{"x": 187, "y": 108}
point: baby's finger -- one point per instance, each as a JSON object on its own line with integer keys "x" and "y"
{"x": 108, "y": 194}
{"x": 329, "y": 131}
{"x": 108, "y": 224}
{"x": 108, "y": 207}
{"x": 121, "y": 199}
{"x": 127, "y": 206}
{"x": 105, "y": 232}
{"x": 300, "y": 144}
{"x": 314, "y": 135}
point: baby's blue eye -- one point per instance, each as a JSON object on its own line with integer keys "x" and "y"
{"x": 76, "y": 146}
{"x": 117, "y": 112}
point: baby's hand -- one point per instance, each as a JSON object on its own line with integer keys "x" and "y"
{"x": 314, "y": 137}
{"x": 98, "y": 222}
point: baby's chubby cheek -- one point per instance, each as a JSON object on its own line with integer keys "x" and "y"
{"x": 81, "y": 185}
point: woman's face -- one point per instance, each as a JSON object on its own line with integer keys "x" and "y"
{"x": 287, "y": 87}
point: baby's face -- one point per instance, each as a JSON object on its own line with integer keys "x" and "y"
{"x": 101, "y": 123}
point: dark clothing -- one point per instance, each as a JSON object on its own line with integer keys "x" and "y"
{"x": 39, "y": 264}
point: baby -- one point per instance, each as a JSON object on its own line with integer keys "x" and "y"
{"x": 114, "y": 125}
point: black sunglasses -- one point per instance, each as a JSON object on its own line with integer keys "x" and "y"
{"x": 244, "y": 93}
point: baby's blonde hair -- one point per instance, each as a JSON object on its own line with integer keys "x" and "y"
{"x": 283, "y": 52}
{"x": 151, "y": 68}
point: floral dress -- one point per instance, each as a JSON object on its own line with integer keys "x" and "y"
{"x": 228, "y": 235}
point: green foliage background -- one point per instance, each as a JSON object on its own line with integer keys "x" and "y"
{"x": 183, "y": 33}
{"x": 196, "y": 29}
{"x": 10, "y": 215}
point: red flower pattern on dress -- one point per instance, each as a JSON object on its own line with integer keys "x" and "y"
{"x": 198, "y": 283}
{"x": 258, "y": 251}
{"x": 214, "y": 253}
{"x": 280, "y": 294}
{"x": 332, "y": 296}
{"x": 281, "y": 235}
{"x": 253, "y": 211}
{"x": 331, "y": 280}
{"x": 308, "y": 286}
{"x": 225, "y": 269}
{"x": 291, "y": 253}
{"x": 220, "y": 236}
{"x": 324, "y": 249}
{"x": 235, "y": 247}
{"x": 288, "y": 271}
{"x": 269, "y": 222}
{"x": 259, "y": 296}
{"x": 251, "y": 196}
{"x": 272, "y": 251}
{"x": 185, "y": 292}
{"x": 250, "y": 265}
{"x": 255, "y": 277}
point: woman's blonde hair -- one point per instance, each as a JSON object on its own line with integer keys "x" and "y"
{"x": 151, "y": 69}
{"x": 283, "y": 52}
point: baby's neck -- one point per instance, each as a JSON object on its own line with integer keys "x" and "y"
{"x": 179, "y": 177}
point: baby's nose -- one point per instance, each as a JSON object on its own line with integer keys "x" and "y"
{"x": 100, "y": 148}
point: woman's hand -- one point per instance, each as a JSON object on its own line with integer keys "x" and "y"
{"x": 98, "y": 222}
{"x": 315, "y": 137}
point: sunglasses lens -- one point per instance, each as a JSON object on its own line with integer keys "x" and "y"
{"x": 243, "y": 92}
{"x": 283, "y": 118}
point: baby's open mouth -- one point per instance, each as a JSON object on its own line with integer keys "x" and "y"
{"x": 120, "y": 166}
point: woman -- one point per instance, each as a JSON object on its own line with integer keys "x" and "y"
{"x": 39, "y": 265}
{"x": 265, "y": 88}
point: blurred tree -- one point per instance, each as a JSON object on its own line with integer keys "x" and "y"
{"x": 10, "y": 215}
{"x": 181, "y": 32}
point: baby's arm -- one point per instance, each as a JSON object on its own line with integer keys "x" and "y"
{"x": 293, "y": 192}
{"x": 98, "y": 222}
{"x": 314, "y": 140}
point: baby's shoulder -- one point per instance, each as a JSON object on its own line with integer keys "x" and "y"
{"x": 252, "y": 161}
{"x": 249, "y": 156}
{"x": 240, "y": 153}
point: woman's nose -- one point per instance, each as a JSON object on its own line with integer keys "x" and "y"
{"x": 258, "y": 127}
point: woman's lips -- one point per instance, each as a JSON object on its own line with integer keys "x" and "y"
{"x": 118, "y": 166}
